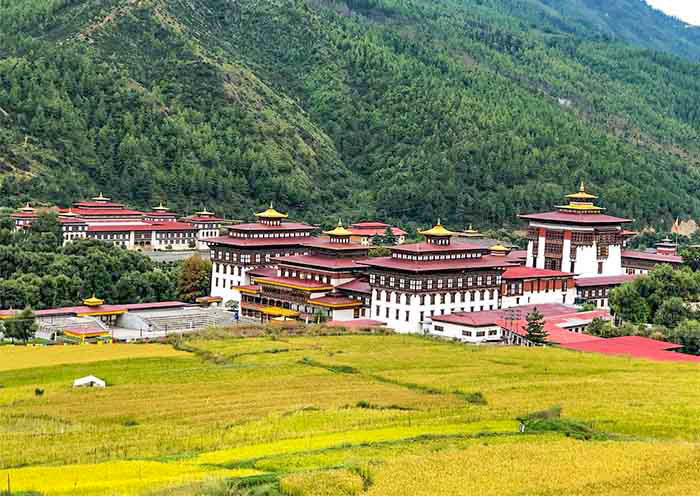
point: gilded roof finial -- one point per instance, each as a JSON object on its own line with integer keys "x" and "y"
{"x": 582, "y": 189}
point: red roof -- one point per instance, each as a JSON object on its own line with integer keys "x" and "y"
{"x": 493, "y": 317}
{"x": 324, "y": 262}
{"x": 585, "y": 282}
{"x": 571, "y": 218}
{"x": 369, "y": 224}
{"x": 338, "y": 301}
{"x": 257, "y": 242}
{"x": 153, "y": 226}
{"x": 86, "y": 332}
{"x": 263, "y": 272}
{"x": 203, "y": 219}
{"x": 80, "y": 309}
{"x": 521, "y": 272}
{"x": 424, "y": 247}
{"x": 98, "y": 204}
{"x": 98, "y": 212}
{"x": 634, "y": 346}
{"x": 249, "y": 287}
{"x": 289, "y": 281}
{"x": 555, "y": 326}
{"x": 284, "y": 226}
{"x": 156, "y": 305}
{"x": 357, "y": 286}
{"x": 485, "y": 262}
{"x": 653, "y": 257}
{"x": 327, "y": 245}
{"x": 359, "y": 230}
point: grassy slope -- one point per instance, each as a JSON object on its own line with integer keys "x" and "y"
{"x": 289, "y": 407}
{"x": 358, "y": 108}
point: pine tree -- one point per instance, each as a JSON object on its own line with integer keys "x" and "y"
{"x": 535, "y": 328}
{"x": 389, "y": 238}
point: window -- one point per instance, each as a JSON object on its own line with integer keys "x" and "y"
{"x": 467, "y": 333}
{"x": 397, "y": 314}
{"x": 422, "y": 314}
{"x": 377, "y": 312}
{"x": 432, "y": 299}
{"x": 439, "y": 283}
{"x": 430, "y": 284}
{"x": 443, "y": 298}
{"x": 493, "y": 332}
{"x": 372, "y": 278}
{"x": 387, "y": 312}
{"x": 453, "y": 297}
{"x": 480, "y": 334}
{"x": 408, "y": 314}
{"x": 439, "y": 328}
{"x": 422, "y": 300}
{"x": 387, "y": 296}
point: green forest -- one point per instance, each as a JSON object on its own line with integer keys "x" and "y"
{"x": 37, "y": 272}
{"x": 404, "y": 110}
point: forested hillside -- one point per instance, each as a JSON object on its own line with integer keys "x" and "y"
{"x": 407, "y": 110}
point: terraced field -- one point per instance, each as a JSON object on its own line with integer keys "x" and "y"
{"x": 370, "y": 414}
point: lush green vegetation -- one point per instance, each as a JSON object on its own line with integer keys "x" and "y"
{"x": 361, "y": 414}
{"x": 472, "y": 110}
{"x": 36, "y": 272}
{"x": 661, "y": 305}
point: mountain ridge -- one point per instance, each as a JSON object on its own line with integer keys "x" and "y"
{"x": 405, "y": 110}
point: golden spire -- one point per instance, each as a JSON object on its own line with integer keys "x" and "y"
{"x": 438, "y": 230}
{"x": 271, "y": 213}
{"x": 338, "y": 231}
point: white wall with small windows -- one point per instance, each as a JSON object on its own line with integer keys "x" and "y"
{"x": 565, "y": 296}
{"x": 406, "y": 312}
{"x": 467, "y": 334}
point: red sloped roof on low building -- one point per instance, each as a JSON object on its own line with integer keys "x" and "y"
{"x": 586, "y": 282}
{"x": 634, "y": 346}
{"x": 263, "y": 272}
{"x": 521, "y": 272}
{"x": 289, "y": 281}
{"x": 652, "y": 257}
{"x": 202, "y": 219}
{"x": 98, "y": 212}
{"x": 335, "y": 301}
{"x": 493, "y": 317}
{"x": 374, "y": 231}
{"x": 357, "y": 286}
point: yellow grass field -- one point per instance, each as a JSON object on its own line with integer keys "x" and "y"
{"x": 24, "y": 357}
{"x": 362, "y": 414}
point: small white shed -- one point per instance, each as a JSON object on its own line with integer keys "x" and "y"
{"x": 89, "y": 381}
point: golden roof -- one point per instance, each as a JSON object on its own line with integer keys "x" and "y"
{"x": 338, "y": 231}
{"x": 162, "y": 207}
{"x": 581, "y": 194}
{"x": 498, "y": 248}
{"x": 93, "y": 301}
{"x": 27, "y": 208}
{"x": 101, "y": 197}
{"x": 271, "y": 213}
{"x": 438, "y": 230}
{"x": 68, "y": 213}
{"x": 581, "y": 206}
{"x": 204, "y": 213}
